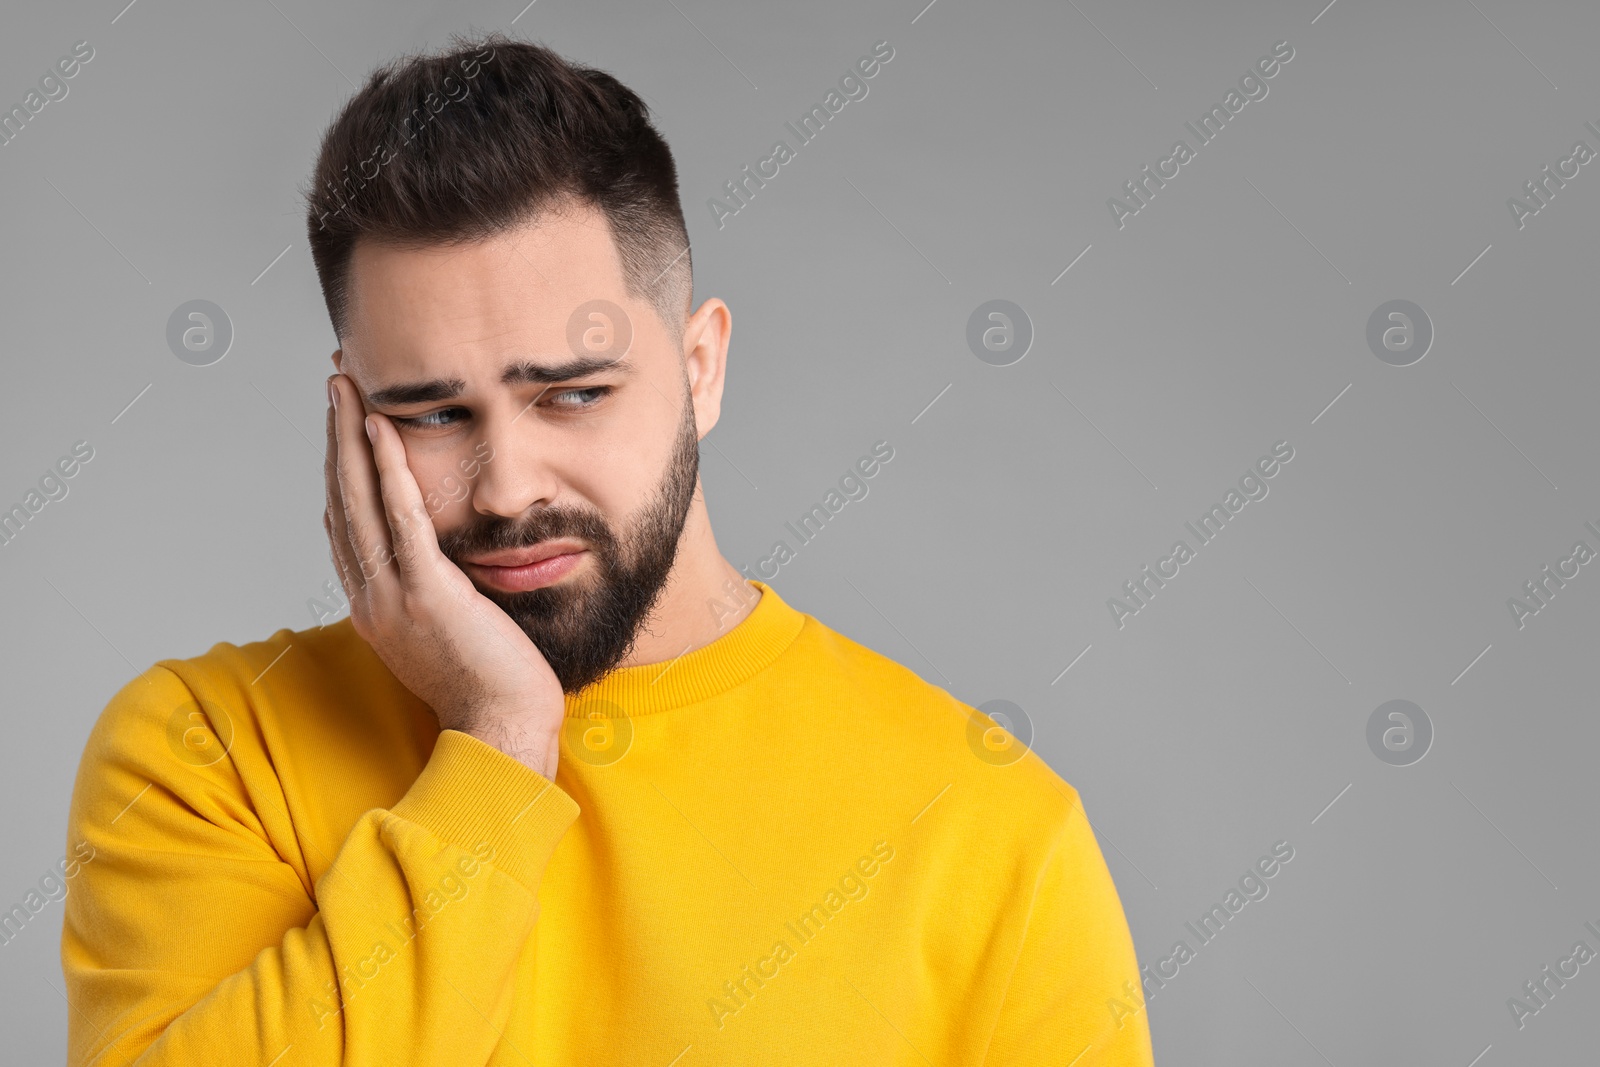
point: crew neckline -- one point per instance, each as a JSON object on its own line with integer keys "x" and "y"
{"x": 708, "y": 671}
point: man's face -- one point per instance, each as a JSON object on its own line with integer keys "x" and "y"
{"x": 508, "y": 457}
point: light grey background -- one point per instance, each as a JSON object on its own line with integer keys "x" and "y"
{"x": 1227, "y": 315}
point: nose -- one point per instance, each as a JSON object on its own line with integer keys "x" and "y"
{"x": 518, "y": 473}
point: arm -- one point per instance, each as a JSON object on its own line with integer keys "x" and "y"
{"x": 1074, "y": 996}
{"x": 189, "y": 940}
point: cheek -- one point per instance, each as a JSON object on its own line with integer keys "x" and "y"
{"x": 619, "y": 478}
{"x": 451, "y": 512}
{"x": 613, "y": 483}
{"x": 443, "y": 487}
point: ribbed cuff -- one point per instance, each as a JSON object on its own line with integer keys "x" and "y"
{"x": 470, "y": 793}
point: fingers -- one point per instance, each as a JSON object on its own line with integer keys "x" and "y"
{"x": 333, "y": 515}
{"x": 410, "y": 528}
{"x": 366, "y": 527}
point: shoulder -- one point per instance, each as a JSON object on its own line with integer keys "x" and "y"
{"x": 227, "y": 678}
{"x": 988, "y": 827}
{"x": 231, "y": 701}
{"x": 908, "y": 725}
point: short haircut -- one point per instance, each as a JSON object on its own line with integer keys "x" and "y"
{"x": 465, "y": 144}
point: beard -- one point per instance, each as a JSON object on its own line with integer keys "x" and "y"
{"x": 588, "y": 624}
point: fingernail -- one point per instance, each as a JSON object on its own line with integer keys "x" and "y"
{"x": 372, "y": 434}
{"x": 333, "y": 394}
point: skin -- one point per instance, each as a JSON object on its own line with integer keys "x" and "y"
{"x": 466, "y": 312}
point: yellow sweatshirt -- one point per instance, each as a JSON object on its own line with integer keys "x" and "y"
{"x": 780, "y": 848}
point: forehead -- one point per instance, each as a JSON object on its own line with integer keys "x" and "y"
{"x": 516, "y": 289}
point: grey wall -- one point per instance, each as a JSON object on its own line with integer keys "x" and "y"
{"x": 1228, "y": 314}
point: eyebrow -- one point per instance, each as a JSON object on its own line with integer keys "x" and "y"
{"x": 519, "y": 373}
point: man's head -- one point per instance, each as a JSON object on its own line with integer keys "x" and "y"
{"x": 504, "y": 260}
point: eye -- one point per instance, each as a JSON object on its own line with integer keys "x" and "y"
{"x": 432, "y": 418}
{"x": 587, "y": 398}
{"x": 603, "y": 391}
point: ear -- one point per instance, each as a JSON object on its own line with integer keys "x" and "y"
{"x": 338, "y": 353}
{"x": 705, "y": 354}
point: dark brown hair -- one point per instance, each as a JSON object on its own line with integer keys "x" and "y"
{"x": 465, "y": 144}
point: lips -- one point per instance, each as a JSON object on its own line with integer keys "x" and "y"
{"x": 522, "y": 557}
{"x": 523, "y": 570}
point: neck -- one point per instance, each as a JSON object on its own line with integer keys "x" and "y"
{"x": 704, "y": 597}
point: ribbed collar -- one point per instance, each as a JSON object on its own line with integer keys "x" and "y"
{"x": 758, "y": 639}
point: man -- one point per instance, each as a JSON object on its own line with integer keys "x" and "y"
{"x": 564, "y": 788}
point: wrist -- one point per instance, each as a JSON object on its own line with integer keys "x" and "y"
{"x": 534, "y": 745}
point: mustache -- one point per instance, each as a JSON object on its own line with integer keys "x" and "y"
{"x": 498, "y": 533}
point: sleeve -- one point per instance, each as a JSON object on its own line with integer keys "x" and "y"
{"x": 1075, "y": 995}
{"x": 187, "y": 938}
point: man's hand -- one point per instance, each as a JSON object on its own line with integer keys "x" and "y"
{"x": 448, "y": 643}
